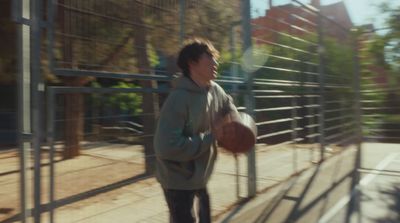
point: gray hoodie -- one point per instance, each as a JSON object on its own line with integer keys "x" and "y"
{"x": 184, "y": 147}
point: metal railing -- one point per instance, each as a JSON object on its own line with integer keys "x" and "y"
{"x": 280, "y": 68}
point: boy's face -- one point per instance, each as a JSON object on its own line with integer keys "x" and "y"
{"x": 205, "y": 68}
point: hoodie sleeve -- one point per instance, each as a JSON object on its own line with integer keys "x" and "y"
{"x": 228, "y": 104}
{"x": 227, "y": 101}
{"x": 170, "y": 143}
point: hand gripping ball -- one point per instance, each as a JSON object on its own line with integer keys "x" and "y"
{"x": 239, "y": 132}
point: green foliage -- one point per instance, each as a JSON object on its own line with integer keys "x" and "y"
{"x": 128, "y": 103}
{"x": 152, "y": 56}
{"x": 380, "y": 67}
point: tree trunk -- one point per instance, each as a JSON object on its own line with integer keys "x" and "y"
{"x": 74, "y": 102}
{"x": 74, "y": 110}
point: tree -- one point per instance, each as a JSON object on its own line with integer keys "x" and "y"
{"x": 380, "y": 68}
{"x": 122, "y": 38}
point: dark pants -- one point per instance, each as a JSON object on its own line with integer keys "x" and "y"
{"x": 180, "y": 205}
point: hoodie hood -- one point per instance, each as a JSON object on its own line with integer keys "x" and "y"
{"x": 188, "y": 84}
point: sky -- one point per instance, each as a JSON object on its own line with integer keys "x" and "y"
{"x": 361, "y": 11}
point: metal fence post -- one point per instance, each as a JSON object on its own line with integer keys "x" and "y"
{"x": 50, "y": 141}
{"x": 357, "y": 91}
{"x": 37, "y": 101}
{"x": 251, "y": 157}
{"x": 358, "y": 116}
{"x": 21, "y": 14}
{"x": 294, "y": 112}
{"x": 321, "y": 79}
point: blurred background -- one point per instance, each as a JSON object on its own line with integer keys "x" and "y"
{"x": 82, "y": 83}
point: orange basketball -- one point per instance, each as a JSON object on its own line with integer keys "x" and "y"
{"x": 239, "y": 132}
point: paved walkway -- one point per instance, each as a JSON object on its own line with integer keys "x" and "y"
{"x": 326, "y": 193}
{"x": 105, "y": 185}
{"x": 143, "y": 201}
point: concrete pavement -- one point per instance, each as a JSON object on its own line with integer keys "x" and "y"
{"x": 320, "y": 193}
{"x": 327, "y": 193}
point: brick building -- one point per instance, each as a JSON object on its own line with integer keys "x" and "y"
{"x": 299, "y": 21}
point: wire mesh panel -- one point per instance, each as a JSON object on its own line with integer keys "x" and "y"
{"x": 9, "y": 160}
{"x": 303, "y": 90}
{"x": 11, "y": 180}
{"x": 116, "y": 60}
{"x": 111, "y": 162}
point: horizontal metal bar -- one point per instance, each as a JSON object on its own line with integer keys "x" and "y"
{"x": 290, "y": 59}
{"x": 278, "y": 96}
{"x": 284, "y": 84}
{"x": 306, "y": 9}
{"x": 304, "y": 20}
{"x": 265, "y": 28}
{"x": 285, "y": 70}
{"x": 289, "y": 25}
{"x": 312, "y": 116}
{"x": 379, "y": 101}
{"x": 278, "y": 69}
{"x": 105, "y": 74}
{"x": 373, "y": 85}
{"x": 287, "y": 96}
{"x": 380, "y": 90}
{"x": 275, "y": 134}
{"x": 314, "y": 10}
{"x": 337, "y": 110}
{"x": 311, "y": 106}
{"x": 277, "y": 121}
{"x": 313, "y": 135}
{"x": 379, "y": 108}
{"x": 269, "y": 91}
{"x": 338, "y": 87}
{"x": 293, "y": 83}
{"x": 64, "y": 90}
{"x": 381, "y": 123}
{"x": 285, "y": 46}
{"x": 284, "y": 81}
{"x": 277, "y": 109}
{"x": 312, "y": 126}
{"x": 298, "y": 139}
